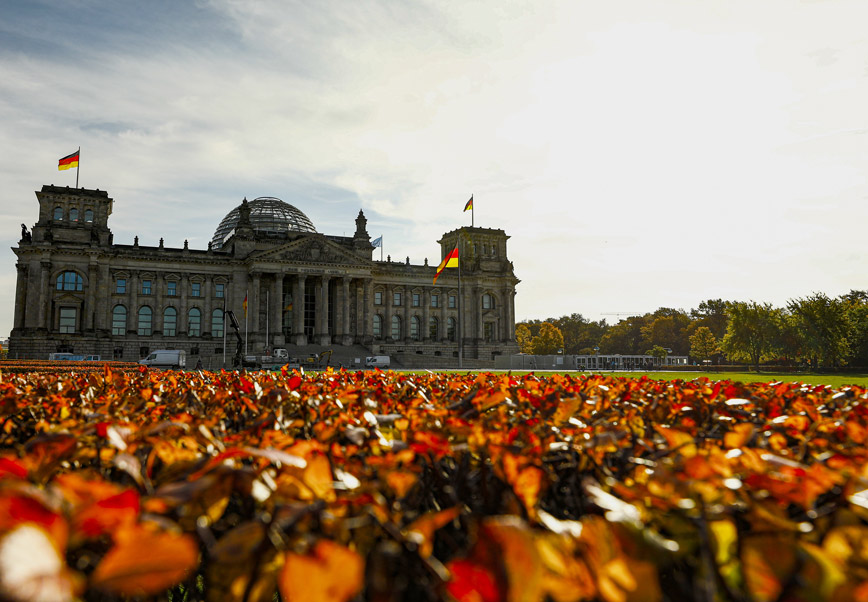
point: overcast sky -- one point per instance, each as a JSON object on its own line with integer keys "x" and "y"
{"x": 640, "y": 153}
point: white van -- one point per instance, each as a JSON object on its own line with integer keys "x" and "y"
{"x": 166, "y": 358}
{"x": 377, "y": 361}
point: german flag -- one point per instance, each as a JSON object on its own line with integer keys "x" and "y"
{"x": 68, "y": 161}
{"x": 450, "y": 261}
{"x": 244, "y": 304}
{"x": 469, "y": 204}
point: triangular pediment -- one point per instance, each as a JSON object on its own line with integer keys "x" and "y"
{"x": 313, "y": 249}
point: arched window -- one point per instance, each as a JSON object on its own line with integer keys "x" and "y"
{"x": 396, "y": 327}
{"x": 217, "y": 323}
{"x": 88, "y": 216}
{"x": 378, "y": 326}
{"x": 145, "y": 320}
{"x": 73, "y": 215}
{"x": 433, "y": 329}
{"x": 414, "y": 328}
{"x": 69, "y": 281}
{"x": 450, "y": 329}
{"x": 170, "y": 322}
{"x": 119, "y": 320}
{"x": 58, "y": 213}
{"x": 487, "y": 301}
{"x": 194, "y": 322}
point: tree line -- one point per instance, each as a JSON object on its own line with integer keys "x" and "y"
{"x": 816, "y": 331}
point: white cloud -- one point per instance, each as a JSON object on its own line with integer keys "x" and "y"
{"x": 639, "y": 154}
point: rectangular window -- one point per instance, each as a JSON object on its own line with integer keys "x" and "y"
{"x": 488, "y": 333}
{"x": 121, "y": 286}
{"x": 396, "y": 299}
{"x": 146, "y": 287}
{"x": 67, "y": 319}
{"x": 197, "y": 289}
{"x": 171, "y": 288}
{"x": 435, "y": 299}
{"x": 453, "y": 301}
{"x": 217, "y": 324}
{"x": 219, "y": 290}
{"x": 417, "y": 299}
{"x": 118, "y": 353}
{"x": 378, "y": 297}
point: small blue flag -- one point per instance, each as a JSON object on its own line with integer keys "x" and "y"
{"x": 377, "y": 242}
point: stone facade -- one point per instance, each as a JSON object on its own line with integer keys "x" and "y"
{"x": 77, "y": 291}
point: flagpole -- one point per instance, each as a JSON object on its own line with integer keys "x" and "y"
{"x": 267, "y": 308}
{"x": 225, "y": 292}
{"x": 472, "y": 212}
{"x": 246, "y": 292}
{"x": 460, "y": 317}
{"x": 77, "y": 167}
{"x": 381, "y": 247}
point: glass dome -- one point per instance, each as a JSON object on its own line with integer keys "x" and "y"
{"x": 267, "y": 214}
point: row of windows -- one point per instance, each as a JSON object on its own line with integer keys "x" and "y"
{"x": 147, "y": 287}
{"x": 73, "y": 215}
{"x": 144, "y": 323}
{"x": 416, "y": 300}
{"x": 396, "y": 330}
{"x": 72, "y": 281}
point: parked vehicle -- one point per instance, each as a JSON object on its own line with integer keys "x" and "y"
{"x": 71, "y": 357}
{"x": 378, "y": 361}
{"x": 278, "y": 358}
{"x": 174, "y": 359}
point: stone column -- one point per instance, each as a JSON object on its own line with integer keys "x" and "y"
{"x": 20, "y": 295}
{"x": 44, "y": 268}
{"x": 298, "y": 335}
{"x": 253, "y": 305}
{"x": 346, "y": 334}
{"x": 103, "y": 299}
{"x": 425, "y": 335}
{"x": 183, "y": 326}
{"x": 407, "y": 298}
{"x": 387, "y": 312}
{"x": 277, "y": 338}
{"x": 133, "y": 311}
{"x": 207, "y": 305}
{"x": 368, "y": 304}
{"x": 443, "y": 298}
{"x": 323, "y": 312}
{"x": 89, "y": 308}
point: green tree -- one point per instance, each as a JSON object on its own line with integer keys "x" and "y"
{"x": 711, "y": 314}
{"x": 751, "y": 332}
{"x": 580, "y": 335}
{"x": 549, "y": 341}
{"x": 667, "y": 327}
{"x": 624, "y": 337}
{"x": 703, "y": 344}
{"x": 856, "y": 304}
{"x": 658, "y": 352}
{"x": 523, "y": 337}
{"x": 824, "y": 328}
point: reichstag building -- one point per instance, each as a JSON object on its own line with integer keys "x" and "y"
{"x": 289, "y": 285}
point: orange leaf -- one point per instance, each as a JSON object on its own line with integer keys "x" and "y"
{"x": 426, "y": 525}
{"x": 144, "y": 562}
{"x": 330, "y": 572}
{"x": 739, "y": 435}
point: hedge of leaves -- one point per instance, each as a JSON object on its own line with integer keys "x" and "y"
{"x": 378, "y": 486}
{"x": 46, "y": 366}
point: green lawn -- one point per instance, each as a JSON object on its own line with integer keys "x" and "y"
{"x": 835, "y": 380}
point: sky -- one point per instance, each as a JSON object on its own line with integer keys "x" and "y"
{"x": 639, "y": 153}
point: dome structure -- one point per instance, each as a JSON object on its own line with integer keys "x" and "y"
{"x": 268, "y": 215}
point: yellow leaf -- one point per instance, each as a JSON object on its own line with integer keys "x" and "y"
{"x": 330, "y": 572}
